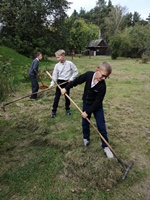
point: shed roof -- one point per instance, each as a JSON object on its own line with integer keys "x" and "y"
{"x": 96, "y": 43}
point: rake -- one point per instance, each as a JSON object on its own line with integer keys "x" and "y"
{"x": 126, "y": 167}
{"x": 43, "y": 85}
{"x": 20, "y": 98}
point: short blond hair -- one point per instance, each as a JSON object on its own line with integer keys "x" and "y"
{"x": 106, "y": 67}
{"x": 60, "y": 52}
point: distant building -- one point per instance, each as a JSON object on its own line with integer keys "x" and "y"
{"x": 97, "y": 47}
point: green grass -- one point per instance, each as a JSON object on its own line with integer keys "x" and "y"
{"x": 14, "y": 70}
{"x": 21, "y": 64}
{"x": 18, "y": 59}
{"x": 44, "y": 158}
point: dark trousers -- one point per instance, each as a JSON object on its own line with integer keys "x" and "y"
{"x": 57, "y": 97}
{"x": 35, "y": 86}
{"x": 100, "y": 121}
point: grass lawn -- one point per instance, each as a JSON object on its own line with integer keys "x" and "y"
{"x": 44, "y": 158}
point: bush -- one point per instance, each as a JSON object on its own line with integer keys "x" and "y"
{"x": 3, "y": 87}
{"x": 25, "y": 71}
{"x": 146, "y": 57}
{"x": 7, "y": 77}
{"x": 114, "y": 46}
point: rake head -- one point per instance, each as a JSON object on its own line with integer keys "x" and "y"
{"x": 43, "y": 86}
{"x": 127, "y": 169}
{"x": 3, "y": 106}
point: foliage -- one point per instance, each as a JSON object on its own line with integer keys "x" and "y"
{"x": 146, "y": 57}
{"x": 114, "y": 20}
{"x": 130, "y": 42}
{"x": 29, "y": 26}
{"x": 4, "y": 81}
{"x": 127, "y": 22}
{"x": 140, "y": 40}
{"x": 110, "y": 18}
{"x": 81, "y": 33}
{"x": 125, "y": 46}
{"x": 30, "y": 30}
{"x": 14, "y": 69}
{"x": 136, "y": 18}
{"x": 114, "y": 46}
{"x": 148, "y": 19}
{"x": 10, "y": 71}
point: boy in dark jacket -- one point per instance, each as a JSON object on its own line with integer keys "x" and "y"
{"x": 94, "y": 92}
{"x": 33, "y": 73}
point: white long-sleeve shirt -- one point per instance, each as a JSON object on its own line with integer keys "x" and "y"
{"x": 64, "y": 71}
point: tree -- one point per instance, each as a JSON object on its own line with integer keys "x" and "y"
{"x": 81, "y": 33}
{"x": 75, "y": 14}
{"x": 100, "y": 13}
{"x": 130, "y": 42}
{"x": 140, "y": 40}
{"x": 114, "y": 46}
{"x": 136, "y": 18}
{"x": 114, "y": 20}
{"x": 109, "y": 4}
{"x": 24, "y": 23}
{"x": 127, "y": 20}
{"x": 148, "y": 19}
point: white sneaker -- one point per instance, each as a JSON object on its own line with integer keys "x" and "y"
{"x": 108, "y": 153}
{"x": 86, "y": 142}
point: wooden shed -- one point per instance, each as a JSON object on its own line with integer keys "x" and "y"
{"x": 97, "y": 47}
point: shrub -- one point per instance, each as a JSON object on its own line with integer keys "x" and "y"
{"x": 6, "y": 78}
{"x": 114, "y": 46}
{"x": 146, "y": 57}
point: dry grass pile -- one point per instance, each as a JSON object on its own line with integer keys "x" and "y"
{"x": 94, "y": 171}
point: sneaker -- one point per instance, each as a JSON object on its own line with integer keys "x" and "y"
{"x": 108, "y": 152}
{"x": 32, "y": 99}
{"x": 86, "y": 142}
{"x": 68, "y": 112}
{"x": 53, "y": 115}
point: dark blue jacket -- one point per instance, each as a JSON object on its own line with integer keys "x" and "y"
{"x": 93, "y": 96}
{"x": 34, "y": 67}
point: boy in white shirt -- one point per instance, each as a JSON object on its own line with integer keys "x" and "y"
{"x": 64, "y": 71}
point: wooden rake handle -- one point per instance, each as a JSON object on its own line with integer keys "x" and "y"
{"x": 86, "y": 118}
{"x": 23, "y": 97}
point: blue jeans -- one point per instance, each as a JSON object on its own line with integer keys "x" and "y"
{"x": 100, "y": 121}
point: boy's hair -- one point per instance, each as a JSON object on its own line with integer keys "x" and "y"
{"x": 37, "y": 54}
{"x": 60, "y": 52}
{"x": 106, "y": 67}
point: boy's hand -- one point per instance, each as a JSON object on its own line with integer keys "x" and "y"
{"x": 50, "y": 87}
{"x": 84, "y": 114}
{"x": 63, "y": 91}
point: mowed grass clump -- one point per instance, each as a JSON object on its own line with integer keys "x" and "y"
{"x": 92, "y": 168}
